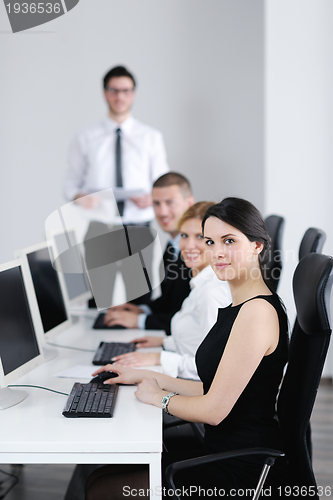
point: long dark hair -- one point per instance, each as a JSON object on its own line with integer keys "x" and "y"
{"x": 245, "y": 217}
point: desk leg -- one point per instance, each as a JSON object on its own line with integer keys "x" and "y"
{"x": 155, "y": 475}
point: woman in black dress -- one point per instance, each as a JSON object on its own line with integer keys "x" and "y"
{"x": 240, "y": 363}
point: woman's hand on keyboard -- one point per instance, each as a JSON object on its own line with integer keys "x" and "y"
{"x": 137, "y": 359}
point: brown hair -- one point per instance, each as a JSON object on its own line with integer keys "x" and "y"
{"x": 174, "y": 179}
{"x": 196, "y": 211}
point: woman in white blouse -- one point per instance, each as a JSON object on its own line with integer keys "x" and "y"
{"x": 198, "y": 313}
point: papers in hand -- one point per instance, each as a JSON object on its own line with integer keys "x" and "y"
{"x": 102, "y": 205}
{"x": 122, "y": 194}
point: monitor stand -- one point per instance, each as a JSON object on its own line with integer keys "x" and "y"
{"x": 9, "y": 398}
{"x": 49, "y": 353}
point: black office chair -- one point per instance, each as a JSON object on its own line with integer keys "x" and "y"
{"x": 312, "y": 284}
{"x": 312, "y": 241}
{"x": 275, "y": 226}
{"x": 308, "y": 349}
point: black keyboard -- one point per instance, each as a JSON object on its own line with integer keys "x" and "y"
{"x": 91, "y": 401}
{"x": 99, "y": 324}
{"x": 107, "y": 350}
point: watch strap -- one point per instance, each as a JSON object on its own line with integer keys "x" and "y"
{"x": 166, "y": 400}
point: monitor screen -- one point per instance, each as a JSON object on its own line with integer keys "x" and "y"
{"x": 18, "y": 343}
{"x": 76, "y": 283}
{"x": 47, "y": 288}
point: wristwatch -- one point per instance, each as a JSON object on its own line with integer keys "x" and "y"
{"x": 166, "y": 399}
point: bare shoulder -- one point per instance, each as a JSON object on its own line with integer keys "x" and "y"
{"x": 258, "y": 308}
{"x": 259, "y": 322}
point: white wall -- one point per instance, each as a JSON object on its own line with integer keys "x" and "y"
{"x": 299, "y": 125}
{"x": 199, "y": 66}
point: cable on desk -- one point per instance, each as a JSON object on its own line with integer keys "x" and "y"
{"x": 70, "y": 347}
{"x": 39, "y": 387}
{"x": 16, "y": 480}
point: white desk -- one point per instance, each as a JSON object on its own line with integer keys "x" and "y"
{"x": 35, "y": 431}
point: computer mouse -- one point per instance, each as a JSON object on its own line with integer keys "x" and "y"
{"x": 101, "y": 377}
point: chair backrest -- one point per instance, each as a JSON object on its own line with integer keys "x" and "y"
{"x": 275, "y": 225}
{"x": 312, "y": 241}
{"x": 312, "y": 285}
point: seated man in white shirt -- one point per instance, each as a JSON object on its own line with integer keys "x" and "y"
{"x": 190, "y": 325}
{"x": 119, "y": 151}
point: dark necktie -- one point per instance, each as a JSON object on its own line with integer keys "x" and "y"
{"x": 119, "y": 175}
{"x": 169, "y": 257}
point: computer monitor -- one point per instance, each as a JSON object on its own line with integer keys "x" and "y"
{"x": 68, "y": 257}
{"x": 20, "y": 331}
{"x": 50, "y": 295}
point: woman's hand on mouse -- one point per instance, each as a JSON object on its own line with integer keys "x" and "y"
{"x": 128, "y": 376}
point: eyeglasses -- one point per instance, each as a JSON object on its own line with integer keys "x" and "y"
{"x": 113, "y": 91}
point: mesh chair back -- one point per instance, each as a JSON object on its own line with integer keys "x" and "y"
{"x": 310, "y": 339}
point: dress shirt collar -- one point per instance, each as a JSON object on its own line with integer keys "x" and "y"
{"x": 206, "y": 274}
{"x": 125, "y": 126}
{"x": 175, "y": 242}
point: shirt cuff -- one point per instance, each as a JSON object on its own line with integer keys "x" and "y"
{"x": 146, "y": 309}
{"x": 169, "y": 344}
{"x": 179, "y": 365}
{"x": 70, "y": 193}
{"x": 169, "y": 362}
{"x": 142, "y": 321}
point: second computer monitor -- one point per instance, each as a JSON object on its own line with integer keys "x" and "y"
{"x": 77, "y": 284}
{"x": 51, "y": 297}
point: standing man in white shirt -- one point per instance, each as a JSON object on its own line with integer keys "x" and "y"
{"x": 119, "y": 151}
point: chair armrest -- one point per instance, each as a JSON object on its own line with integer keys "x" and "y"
{"x": 214, "y": 457}
{"x": 174, "y": 423}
